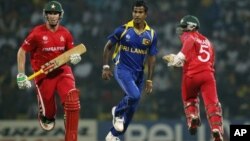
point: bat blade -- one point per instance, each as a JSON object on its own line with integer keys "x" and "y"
{"x": 64, "y": 58}
{"x": 59, "y": 61}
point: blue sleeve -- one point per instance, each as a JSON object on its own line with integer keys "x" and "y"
{"x": 153, "y": 49}
{"x": 115, "y": 36}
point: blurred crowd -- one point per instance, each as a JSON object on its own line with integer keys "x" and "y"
{"x": 225, "y": 22}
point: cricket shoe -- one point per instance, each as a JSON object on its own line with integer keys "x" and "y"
{"x": 111, "y": 137}
{"x": 194, "y": 124}
{"x": 118, "y": 122}
{"x": 217, "y": 135}
{"x": 45, "y": 123}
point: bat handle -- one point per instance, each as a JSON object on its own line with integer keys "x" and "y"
{"x": 35, "y": 74}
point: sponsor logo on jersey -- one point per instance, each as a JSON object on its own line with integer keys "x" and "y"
{"x": 47, "y": 49}
{"x": 45, "y": 39}
{"x": 133, "y": 50}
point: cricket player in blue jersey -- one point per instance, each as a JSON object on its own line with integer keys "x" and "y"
{"x": 135, "y": 46}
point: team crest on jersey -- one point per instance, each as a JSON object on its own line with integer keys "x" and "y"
{"x": 146, "y": 41}
{"x": 62, "y": 39}
{"x": 45, "y": 39}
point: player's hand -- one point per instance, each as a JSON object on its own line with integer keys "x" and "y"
{"x": 106, "y": 74}
{"x": 149, "y": 86}
{"x": 22, "y": 81}
{"x": 75, "y": 58}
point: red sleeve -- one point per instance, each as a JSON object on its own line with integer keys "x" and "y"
{"x": 69, "y": 40}
{"x": 29, "y": 43}
{"x": 213, "y": 55}
{"x": 70, "y": 43}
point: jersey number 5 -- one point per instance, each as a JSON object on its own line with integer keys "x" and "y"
{"x": 203, "y": 51}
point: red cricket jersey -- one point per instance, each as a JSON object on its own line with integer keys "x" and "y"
{"x": 198, "y": 51}
{"x": 44, "y": 45}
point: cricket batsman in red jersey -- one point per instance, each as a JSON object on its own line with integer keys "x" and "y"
{"x": 45, "y": 42}
{"x": 197, "y": 59}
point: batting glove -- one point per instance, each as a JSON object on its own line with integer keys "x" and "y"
{"x": 22, "y": 81}
{"x": 169, "y": 59}
{"x": 174, "y": 60}
{"x": 75, "y": 58}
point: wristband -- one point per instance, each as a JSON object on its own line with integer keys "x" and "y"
{"x": 105, "y": 66}
{"x": 149, "y": 81}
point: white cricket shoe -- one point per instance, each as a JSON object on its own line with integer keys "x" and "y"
{"x": 118, "y": 122}
{"x": 45, "y": 123}
{"x": 111, "y": 137}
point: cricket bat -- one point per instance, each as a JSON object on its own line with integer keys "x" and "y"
{"x": 58, "y": 61}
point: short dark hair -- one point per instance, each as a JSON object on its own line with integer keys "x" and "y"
{"x": 139, "y": 3}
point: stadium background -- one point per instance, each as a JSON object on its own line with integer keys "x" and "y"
{"x": 225, "y": 22}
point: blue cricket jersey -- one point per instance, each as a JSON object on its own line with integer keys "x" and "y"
{"x": 131, "y": 47}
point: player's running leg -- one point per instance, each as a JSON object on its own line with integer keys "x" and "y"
{"x": 213, "y": 107}
{"x": 190, "y": 93}
{"x": 192, "y": 115}
{"x": 46, "y": 113}
{"x": 214, "y": 116}
{"x": 132, "y": 84}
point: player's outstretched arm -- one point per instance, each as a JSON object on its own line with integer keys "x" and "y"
{"x": 22, "y": 79}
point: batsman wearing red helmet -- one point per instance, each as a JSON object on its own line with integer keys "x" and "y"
{"x": 44, "y": 43}
{"x": 197, "y": 59}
